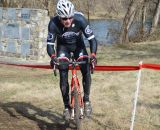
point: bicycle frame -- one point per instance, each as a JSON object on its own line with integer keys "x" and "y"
{"x": 74, "y": 80}
{"x": 75, "y": 83}
{"x": 76, "y": 96}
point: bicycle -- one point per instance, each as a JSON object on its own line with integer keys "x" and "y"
{"x": 76, "y": 102}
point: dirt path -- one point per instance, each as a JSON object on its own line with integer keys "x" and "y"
{"x": 19, "y": 116}
{"x": 13, "y": 117}
{"x": 11, "y": 120}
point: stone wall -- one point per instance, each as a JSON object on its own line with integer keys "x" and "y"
{"x": 23, "y": 33}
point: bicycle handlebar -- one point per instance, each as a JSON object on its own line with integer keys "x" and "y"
{"x": 72, "y": 62}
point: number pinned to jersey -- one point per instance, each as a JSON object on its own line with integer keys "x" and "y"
{"x": 50, "y": 36}
{"x": 88, "y": 30}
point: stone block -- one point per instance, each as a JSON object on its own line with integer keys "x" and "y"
{"x": 1, "y": 46}
{"x": 4, "y": 14}
{"x": 11, "y": 47}
{"x": 25, "y": 33}
{"x": 11, "y": 31}
{"x": 11, "y": 13}
{"x": 33, "y": 13}
{"x": 0, "y": 32}
{"x": 1, "y": 13}
{"x": 1, "y": 53}
{"x": 25, "y": 14}
{"x": 25, "y": 48}
{"x": 36, "y": 53}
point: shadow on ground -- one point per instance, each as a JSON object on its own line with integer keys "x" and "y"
{"x": 152, "y": 106}
{"x": 49, "y": 120}
{"x": 37, "y": 115}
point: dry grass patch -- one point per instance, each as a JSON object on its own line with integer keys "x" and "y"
{"x": 32, "y": 96}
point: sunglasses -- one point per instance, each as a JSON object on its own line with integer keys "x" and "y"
{"x": 64, "y": 19}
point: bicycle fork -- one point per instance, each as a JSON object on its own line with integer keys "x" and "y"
{"x": 75, "y": 83}
{"x": 73, "y": 113}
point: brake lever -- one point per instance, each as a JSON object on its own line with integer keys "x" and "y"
{"x": 55, "y": 70}
{"x": 92, "y": 68}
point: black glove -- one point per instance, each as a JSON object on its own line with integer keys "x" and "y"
{"x": 93, "y": 62}
{"x": 53, "y": 62}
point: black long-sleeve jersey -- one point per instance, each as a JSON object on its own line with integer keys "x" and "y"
{"x": 71, "y": 36}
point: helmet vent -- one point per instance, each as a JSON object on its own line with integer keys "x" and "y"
{"x": 63, "y": 5}
{"x": 61, "y": 12}
{"x": 68, "y": 4}
{"x": 65, "y": 11}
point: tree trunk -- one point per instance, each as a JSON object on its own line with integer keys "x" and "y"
{"x": 143, "y": 17}
{"x": 88, "y": 10}
{"x": 4, "y": 3}
{"x": 128, "y": 19}
{"x": 155, "y": 18}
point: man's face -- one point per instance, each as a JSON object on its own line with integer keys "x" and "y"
{"x": 67, "y": 22}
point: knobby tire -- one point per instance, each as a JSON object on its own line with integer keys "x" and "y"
{"x": 77, "y": 109}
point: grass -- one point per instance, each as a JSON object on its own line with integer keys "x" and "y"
{"x": 31, "y": 98}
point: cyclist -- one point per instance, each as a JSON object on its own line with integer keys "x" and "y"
{"x": 66, "y": 30}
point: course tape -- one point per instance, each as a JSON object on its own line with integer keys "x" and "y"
{"x": 151, "y": 66}
{"x": 29, "y": 65}
{"x": 98, "y": 68}
{"x": 116, "y": 68}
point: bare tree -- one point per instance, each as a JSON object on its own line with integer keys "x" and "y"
{"x": 155, "y": 18}
{"x": 143, "y": 17}
{"x": 88, "y": 9}
{"x": 129, "y": 18}
{"x": 85, "y": 7}
{"x": 4, "y": 3}
{"x": 21, "y": 4}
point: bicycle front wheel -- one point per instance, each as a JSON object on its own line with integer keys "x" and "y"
{"x": 77, "y": 109}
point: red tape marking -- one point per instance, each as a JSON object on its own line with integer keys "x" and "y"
{"x": 30, "y": 66}
{"x": 98, "y": 68}
{"x": 116, "y": 68}
{"x": 151, "y": 66}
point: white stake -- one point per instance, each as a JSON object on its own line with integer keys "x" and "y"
{"x": 136, "y": 97}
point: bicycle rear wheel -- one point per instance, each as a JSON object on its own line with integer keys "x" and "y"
{"x": 77, "y": 109}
